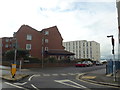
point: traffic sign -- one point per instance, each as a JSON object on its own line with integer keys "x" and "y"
{"x": 13, "y": 70}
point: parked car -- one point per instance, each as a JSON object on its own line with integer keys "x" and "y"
{"x": 88, "y": 63}
{"x": 80, "y": 64}
{"x": 99, "y": 63}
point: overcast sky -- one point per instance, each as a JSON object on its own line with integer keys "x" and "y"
{"x": 76, "y": 19}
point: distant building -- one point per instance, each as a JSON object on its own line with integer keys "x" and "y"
{"x": 84, "y": 49}
{"x": 118, "y": 9}
{"x": 7, "y": 44}
{"x": 41, "y": 44}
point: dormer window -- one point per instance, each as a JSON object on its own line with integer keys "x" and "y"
{"x": 29, "y": 37}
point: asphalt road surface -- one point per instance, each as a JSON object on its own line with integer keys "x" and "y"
{"x": 56, "y": 78}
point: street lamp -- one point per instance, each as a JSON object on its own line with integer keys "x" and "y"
{"x": 114, "y": 69}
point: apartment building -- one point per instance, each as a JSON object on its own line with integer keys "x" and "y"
{"x": 7, "y": 43}
{"x": 41, "y": 44}
{"x": 118, "y": 9}
{"x": 84, "y": 49}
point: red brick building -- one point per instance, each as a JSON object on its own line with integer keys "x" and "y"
{"x": 7, "y": 43}
{"x": 41, "y": 44}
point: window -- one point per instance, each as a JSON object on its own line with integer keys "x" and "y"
{"x": 46, "y": 48}
{"x": 46, "y": 40}
{"x": 83, "y": 44}
{"x": 46, "y": 33}
{"x": 29, "y": 37}
{"x": 90, "y": 44}
{"x": 28, "y": 46}
{"x": 6, "y": 45}
{"x": 7, "y": 40}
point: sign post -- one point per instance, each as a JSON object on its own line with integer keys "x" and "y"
{"x": 13, "y": 69}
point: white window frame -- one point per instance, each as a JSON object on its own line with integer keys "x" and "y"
{"x": 28, "y": 46}
{"x": 29, "y": 37}
{"x": 46, "y": 40}
{"x": 46, "y": 48}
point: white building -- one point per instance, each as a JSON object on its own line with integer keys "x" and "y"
{"x": 118, "y": 9}
{"x": 84, "y": 49}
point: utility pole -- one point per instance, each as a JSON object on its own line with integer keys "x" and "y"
{"x": 114, "y": 68}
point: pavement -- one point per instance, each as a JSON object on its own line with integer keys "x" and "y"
{"x": 100, "y": 77}
{"x": 6, "y": 74}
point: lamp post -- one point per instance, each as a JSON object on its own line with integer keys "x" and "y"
{"x": 114, "y": 68}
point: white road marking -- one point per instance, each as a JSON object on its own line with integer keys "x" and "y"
{"x": 30, "y": 78}
{"x": 76, "y": 85}
{"x": 46, "y": 74}
{"x": 16, "y": 86}
{"x": 20, "y": 83}
{"x": 54, "y": 74}
{"x": 71, "y": 74}
{"x": 78, "y": 73}
{"x": 33, "y": 76}
{"x": 34, "y": 87}
{"x": 63, "y": 74}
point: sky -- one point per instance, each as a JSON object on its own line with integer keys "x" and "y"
{"x": 91, "y": 20}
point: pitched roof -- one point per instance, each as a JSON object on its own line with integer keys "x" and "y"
{"x": 26, "y": 26}
{"x": 53, "y": 27}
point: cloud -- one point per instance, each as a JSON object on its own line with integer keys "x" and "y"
{"x": 75, "y": 19}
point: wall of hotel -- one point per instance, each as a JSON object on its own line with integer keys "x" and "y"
{"x": 95, "y": 50}
{"x": 84, "y": 49}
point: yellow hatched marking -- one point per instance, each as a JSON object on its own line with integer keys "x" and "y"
{"x": 88, "y": 77}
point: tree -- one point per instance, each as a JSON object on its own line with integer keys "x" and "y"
{"x": 20, "y": 54}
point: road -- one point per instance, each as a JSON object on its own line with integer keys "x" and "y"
{"x": 58, "y": 77}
